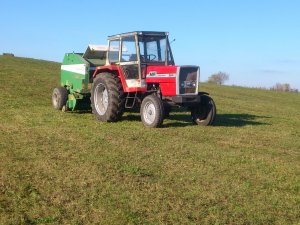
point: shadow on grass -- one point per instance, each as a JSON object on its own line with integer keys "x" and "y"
{"x": 181, "y": 119}
{"x": 225, "y": 120}
{"x": 239, "y": 120}
{"x": 132, "y": 117}
{"x": 222, "y": 120}
{"x": 174, "y": 120}
{"x": 84, "y": 111}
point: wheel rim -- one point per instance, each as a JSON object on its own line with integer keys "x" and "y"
{"x": 55, "y": 99}
{"x": 101, "y": 99}
{"x": 149, "y": 113}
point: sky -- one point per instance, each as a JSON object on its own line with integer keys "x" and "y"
{"x": 256, "y": 42}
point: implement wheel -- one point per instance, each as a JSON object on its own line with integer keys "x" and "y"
{"x": 59, "y": 97}
{"x": 152, "y": 111}
{"x": 107, "y": 97}
{"x": 204, "y": 113}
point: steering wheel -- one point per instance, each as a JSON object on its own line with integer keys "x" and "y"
{"x": 151, "y": 55}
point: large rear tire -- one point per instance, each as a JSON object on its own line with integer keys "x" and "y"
{"x": 59, "y": 97}
{"x": 152, "y": 111}
{"x": 107, "y": 97}
{"x": 204, "y": 113}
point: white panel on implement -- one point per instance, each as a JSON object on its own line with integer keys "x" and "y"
{"x": 98, "y": 47}
{"x": 75, "y": 68}
{"x": 95, "y": 51}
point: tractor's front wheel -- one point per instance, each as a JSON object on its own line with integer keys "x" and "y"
{"x": 107, "y": 97}
{"x": 204, "y": 113}
{"x": 152, "y": 111}
{"x": 59, "y": 97}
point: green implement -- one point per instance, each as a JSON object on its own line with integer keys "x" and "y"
{"x": 76, "y": 75}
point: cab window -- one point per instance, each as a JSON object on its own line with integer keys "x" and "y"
{"x": 113, "y": 52}
{"x": 129, "y": 49}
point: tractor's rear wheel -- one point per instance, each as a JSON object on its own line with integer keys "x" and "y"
{"x": 59, "y": 97}
{"x": 107, "y": 97}
{"x": 152, "y": 111}
{"x": 204, "y": 113}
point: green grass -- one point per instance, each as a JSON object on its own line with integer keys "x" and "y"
{"x": 67, "y": 168}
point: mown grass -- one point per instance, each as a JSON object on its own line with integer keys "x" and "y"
{"x": 67, "y": 168}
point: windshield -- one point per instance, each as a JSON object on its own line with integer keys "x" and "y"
{"x": 153, "y": 49}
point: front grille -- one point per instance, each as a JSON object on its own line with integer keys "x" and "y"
{"x": 188, "y": 80}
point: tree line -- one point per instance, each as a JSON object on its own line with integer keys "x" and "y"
{"x": 221, "y": 77}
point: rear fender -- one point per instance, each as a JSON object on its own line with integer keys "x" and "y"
{"x": 111, "y": 69}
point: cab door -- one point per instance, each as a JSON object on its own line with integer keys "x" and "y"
{"x": 130, "y": 61}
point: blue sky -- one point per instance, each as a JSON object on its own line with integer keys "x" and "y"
{"x": 256, "y": 42}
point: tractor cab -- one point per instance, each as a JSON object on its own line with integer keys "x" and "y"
{"x": 134, "y": 51}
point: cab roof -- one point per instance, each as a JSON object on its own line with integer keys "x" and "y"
{"x": 146, "y": 33}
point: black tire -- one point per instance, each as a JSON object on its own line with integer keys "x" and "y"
{"x": 152, "y": 111}
{"x": 107, "y": 97}
{"x": 204, "y": 113}
{"x": 59, "y": 97}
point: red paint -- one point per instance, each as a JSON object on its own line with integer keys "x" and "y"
{"x": 113, "y": 69}
{"x": 162, "y": 69}
{"x": 168, "y": 89}
{"x": 167, "y": 84}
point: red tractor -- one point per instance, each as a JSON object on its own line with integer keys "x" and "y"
{"x": 137, "y": 69}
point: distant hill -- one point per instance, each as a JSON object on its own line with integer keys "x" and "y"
{"x": 67, "y": 168}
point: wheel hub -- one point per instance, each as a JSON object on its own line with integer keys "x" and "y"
{"x": 55, "y": 99}
{"x": 149, "y": 114}
{"x": 101, "y": 99}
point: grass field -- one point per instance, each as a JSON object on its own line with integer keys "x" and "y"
{"x": 67, "y": 168}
